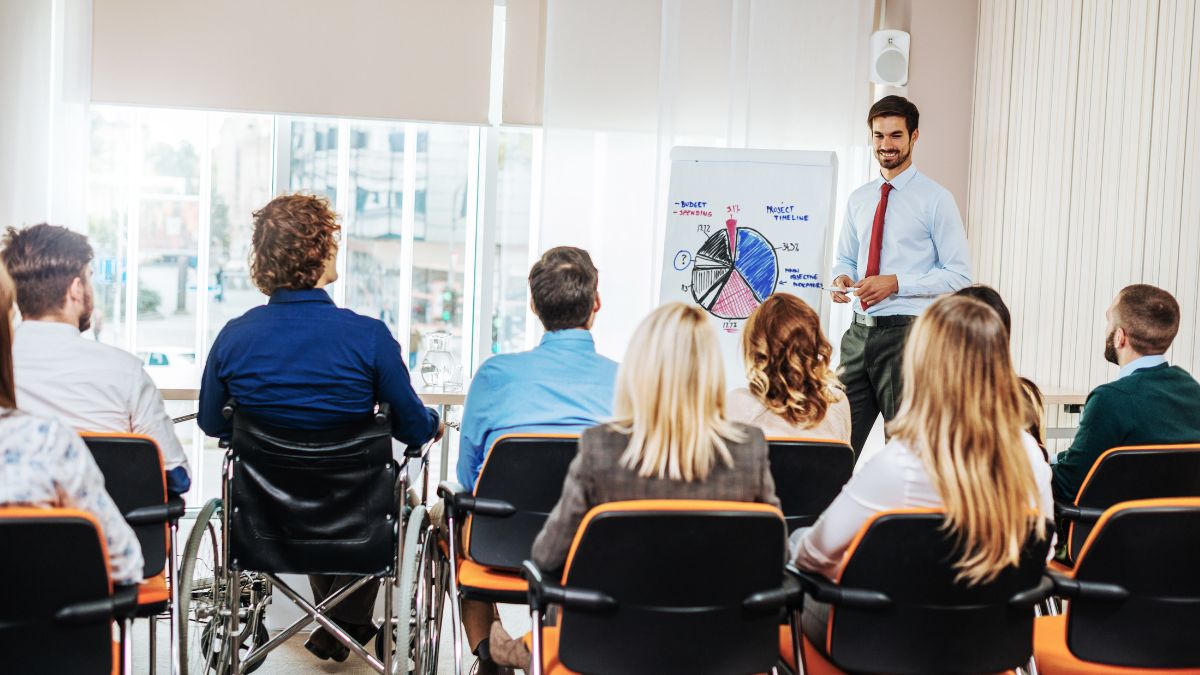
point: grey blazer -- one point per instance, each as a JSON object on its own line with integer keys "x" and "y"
{"x": 596, "y": 477}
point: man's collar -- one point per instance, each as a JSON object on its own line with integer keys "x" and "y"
{"x": 902, "y": 179}
{"x": 299, "y": 295}
{"x": 44, "y": 326}
{"x": 569, "y": 335}
{"x": 1141, "y": 363}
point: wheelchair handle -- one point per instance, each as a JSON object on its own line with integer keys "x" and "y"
{"x": 228, "y": 408}
{"x": 383, "y": 414}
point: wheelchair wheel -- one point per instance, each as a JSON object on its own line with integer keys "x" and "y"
{"x": 201, "y": 592}
{"x": 415, "y": 639}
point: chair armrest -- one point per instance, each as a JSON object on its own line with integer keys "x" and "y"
{"x": 1082, "y": 514}
{"x": 158, "y": 513}
{"x": 542, "y": 593}
{"x": 1069, "y": 587}
{"x": 1032, "y": 596}
{"x": 414, "y": 451}
{"x": 122, "y": 603}
{"x": 790, "y": 594}
{"x": 823, "y": 590}
{"x": 459, "y": 501}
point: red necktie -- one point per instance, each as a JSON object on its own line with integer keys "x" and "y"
{"x": 877, "y": 231}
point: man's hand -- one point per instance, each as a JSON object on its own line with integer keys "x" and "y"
{"x": 842, "y": 281}
{"x": 876, "y": 289}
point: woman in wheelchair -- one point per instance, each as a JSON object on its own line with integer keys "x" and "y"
{"x": 301, "y": 363}
{"x": 670, "y": 439}
{"x": 957, "y": 443}
{"x": 45, "y": 463}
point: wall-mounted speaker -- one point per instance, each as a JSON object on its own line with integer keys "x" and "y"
{"x": 889, "y": 57}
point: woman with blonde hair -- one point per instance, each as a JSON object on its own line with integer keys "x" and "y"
{"x": 957, "y": 443}
{"x": 792, "y": 391}
{"x": 669, "y": 439}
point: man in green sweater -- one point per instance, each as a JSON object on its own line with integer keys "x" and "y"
{"x": 1150, "y": 402}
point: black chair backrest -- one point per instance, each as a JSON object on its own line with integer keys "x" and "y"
{"x": 312, "y": 501}
{"x": 933, "y": 624}
{"x": 133, "y": 476}
{"x": 51, "y": 559}
{"x": 1136, "y": 472}
{"x": 1151, "y": 549}
{"x": 808, "y": 474}
{"x": 528, "y": 472}
{"x": 679, "y": 571}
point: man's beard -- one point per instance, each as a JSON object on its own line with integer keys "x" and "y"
{"x": 85, "y": 319}
{"x": 1110, "y": 348}
{"x": 900, "y": 158}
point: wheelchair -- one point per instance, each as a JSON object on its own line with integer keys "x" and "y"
{"x": 312, "y": 502}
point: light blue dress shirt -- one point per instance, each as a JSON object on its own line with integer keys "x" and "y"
{"x": 1143, "y": 362}
{"x": 924, "y": 242}
{"x": 561, "y": 386}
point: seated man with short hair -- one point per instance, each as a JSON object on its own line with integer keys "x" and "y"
{"x": 60, "y": 374}
{"x": 1150, "y": 402}
{"x": 301, "y": 362}
{"x": 560, "y": 386}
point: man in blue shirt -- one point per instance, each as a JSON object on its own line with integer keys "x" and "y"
{"x": 903, "y": 245}
{"x": 560, "y": 386}
{"x": 300, "y": 362}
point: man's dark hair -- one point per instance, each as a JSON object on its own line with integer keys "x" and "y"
{"x": 563, "y": 287}
{"x": 895, "y": 106}
{"x": 990, "y": 297}
{"x": 43, "y": 260}
{"x": 1150, "y": 317}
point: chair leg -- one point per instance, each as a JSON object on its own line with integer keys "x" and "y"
{"x": 455, "y": 605}
{"x": 127, "y": 646}
{"x": 535, "y": 655}
{"x": 388, "y": 619}
{"x": 173, "y": 579}
{"x": 231, "y": 639}
{"x": 153, "y": 620}
{"x": 798, "y": 643}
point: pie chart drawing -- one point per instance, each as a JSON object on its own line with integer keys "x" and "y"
{"x": 734, "y": 272}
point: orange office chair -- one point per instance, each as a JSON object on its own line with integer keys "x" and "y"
{"x": 1134, "y": 595}
{"x": 519, "y": 484}
{"x": 59, "y": 602}
{"x": 665, "y": 587}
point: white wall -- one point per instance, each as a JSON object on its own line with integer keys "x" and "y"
{"x": 25, "y": 109}
{"x": 1085, "y": 175}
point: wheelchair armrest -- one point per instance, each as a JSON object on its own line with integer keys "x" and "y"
{"x": 789, "y": 594}
{"x": 1069, "y": 587}
{"x": 542, "y": 593}
{"x": 1032, "y": 596}
{"x": 824, "y": 590}
{"x": 1082, "y": 514}
{"x": 414, "y": 451}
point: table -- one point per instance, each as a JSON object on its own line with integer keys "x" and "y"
{"x": 1071, "y": 402}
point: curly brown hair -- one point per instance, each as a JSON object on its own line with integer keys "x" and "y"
{"x": 293, "y": 237}
{"x": 787, "y": 360}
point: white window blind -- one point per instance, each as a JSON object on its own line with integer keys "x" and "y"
{"x": 398, "y": 59}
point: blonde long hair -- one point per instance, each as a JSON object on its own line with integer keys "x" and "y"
{"x": 963, "y": 414}
{"x": 787, "y": 361}
{"x": 8, "y": 387}
{"x": 670, "y": 397}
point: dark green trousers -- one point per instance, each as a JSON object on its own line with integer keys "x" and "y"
{"x": 870, "y": 371}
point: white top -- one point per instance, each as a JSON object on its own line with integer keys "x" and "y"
{"x": 742, "y": 406}
{"x": 89, "y": 386}
{"x": 43, "y": 463}
{"x": 894, "y": 479}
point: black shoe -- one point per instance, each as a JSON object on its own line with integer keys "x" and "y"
{"x": 324, "y": 646}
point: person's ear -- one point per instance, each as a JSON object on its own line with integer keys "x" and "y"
{"x": 1120, "y": 339}
{"x": 915, "y": 135}
{"x": 76, "y": 292}
{"x": 596, "y": 302}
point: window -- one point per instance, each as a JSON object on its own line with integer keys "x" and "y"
{"x": 170, "y": 201}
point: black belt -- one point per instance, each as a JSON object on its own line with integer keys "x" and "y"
{"x": 883, "y": 321}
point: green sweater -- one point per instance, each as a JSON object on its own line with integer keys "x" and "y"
{"x": 1153, "y": 405}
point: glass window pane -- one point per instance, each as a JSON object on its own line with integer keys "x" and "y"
{"x": 314, "y": 157}
{"x": 112, "y": 137}
{"x": 510, "y": 288}
{"x": 439, "y": 251}
{"x": 374, "y": 236}
{"x": 242, "y": 154}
